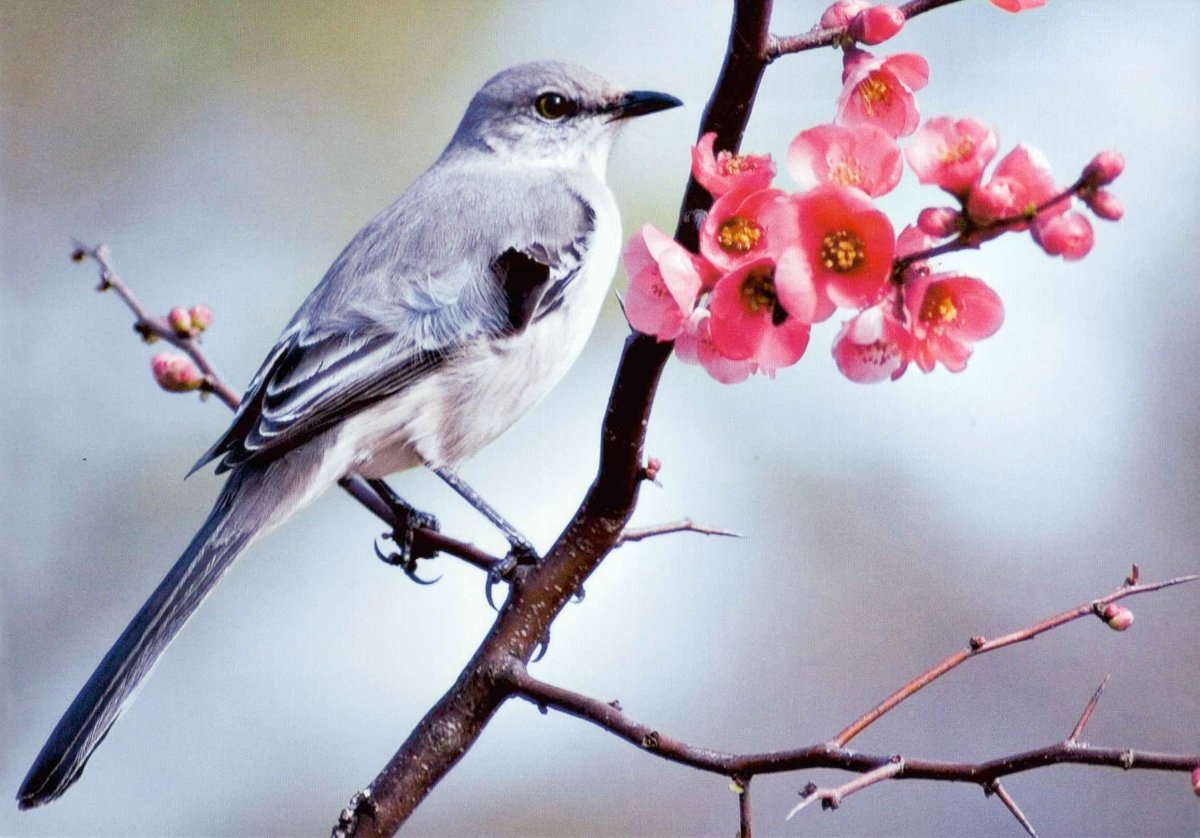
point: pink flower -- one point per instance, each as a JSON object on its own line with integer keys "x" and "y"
{"x": 872, "y": 346}
{"x": 1104, "y": 168}
{"x": 201, "y": 316}
{"x": 750, "y": 324}
{"x": 745, "y": 225}
{"x": 842, "y": 12}
{"x": 879, "y": 91}
{"x": 1067, "y": 234}
{"x": 1020, "y": 184}
{"x": 876, "y": 24}
{"x": 951, "y": 153}
{"x": 725, "y": 172}
{"x": 864, "y": 156}
{"x": 175, "y": 373}
{"x": 940, "y": 222}
{"x": 1015, "y": 6}
{"x": 1118, "y": 617}
{"x": 664, "y": 281}
{"x": 845, "y": 253}
{"x": 695, "y": 346}
{"x": 180, "y": 321}
{"x": 1105, "y": 204}
{"x": 947, "y": 313}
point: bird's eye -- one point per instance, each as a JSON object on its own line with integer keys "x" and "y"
{"x": 554, "y": 106}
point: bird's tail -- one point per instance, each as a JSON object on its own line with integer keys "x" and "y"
{"x": 244, "y": 510}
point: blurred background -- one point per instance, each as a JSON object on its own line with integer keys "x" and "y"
{"x": 227, "y": 152}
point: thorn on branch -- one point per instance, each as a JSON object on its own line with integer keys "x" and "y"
{"x": 1132, "y": 578}
{"x": 1077, "y": 731}
{"x": 994, "y": 788}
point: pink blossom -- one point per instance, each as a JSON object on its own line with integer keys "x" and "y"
{"x": 1196, "y": 780}
{"x": 947, "y": 314}
{"x": 664, "y": 281}
{"x": 1015, "y": 6}
{"x": 695, "y": 346}
{"x": 864, "y": 156}
{"x": 872, "y": 346}
{"x": 842, "y": 12}
{"x": 745, "y": 225}
{"x": 180, "y": 321}
{"x": 724, "y": 172}
{"x": 876, "y": 24}
{"x": 845, "y": 253}
{"x": 750, "y": 324}
{"x": 175, "y": 373}
{"x": 1068, "y": 235}
{"x": 879, "y": 91}
{"x": 940, "y": 222}
{"x": 1118, "y": 617}
{"x": 201, "y": 316}
{"x": 913, "y": 240}
{"x": 951, "y": 153}
{"x": 1104, "y": 168}
{"x": 1105, "y": 204}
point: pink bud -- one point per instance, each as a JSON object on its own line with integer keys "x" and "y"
{"x": 1068, "y": 235}
{"x": 1104, "y": 168}
{"x": 1118, "y": 617}
{"x": 180, "y": 321}
{"x": 842, "y": 12}
{"x": 939, "y": 222}
{"x": 1105, "y": 204}
{"x": 1196, "y": 780}
{"x": 653, "y": 467}
{"x": 876, "y": 24}
{"x": 201, "y": 317}
{"x": 998, "y": 198}
{"x": 175, "y": 373}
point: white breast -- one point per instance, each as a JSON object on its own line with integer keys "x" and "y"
{"x": 464, "y": 405}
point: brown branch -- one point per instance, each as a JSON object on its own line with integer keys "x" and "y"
{"x": 157, "y": 328}
{"x": 612, "y": 718}
{"x": 837, "y": 36}
{"x": 831, "y": 797}
{"x": 630, "y": 534}
{"x": 742, "y": 787}
{"x": 539, "y": 593}
{"x": 979, "y": 646}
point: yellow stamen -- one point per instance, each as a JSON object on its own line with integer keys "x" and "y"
{"x": 842, "y": 251}
{"x": 957, "y": 153}
{"x": 846, "y": 173}
{"x": 872, "y": 91}
{"x": 739, "y": 234}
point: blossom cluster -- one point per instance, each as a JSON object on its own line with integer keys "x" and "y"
{"x": 772, "y": 263}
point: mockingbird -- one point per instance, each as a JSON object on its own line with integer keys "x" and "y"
{"x": 446, "y": 318}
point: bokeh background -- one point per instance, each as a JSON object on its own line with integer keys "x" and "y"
{"x": 227, "y": 151}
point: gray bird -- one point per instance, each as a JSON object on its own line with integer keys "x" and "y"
{"x": 446, "y": 318}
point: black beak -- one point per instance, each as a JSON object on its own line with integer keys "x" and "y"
{"x": 640, "y": 103}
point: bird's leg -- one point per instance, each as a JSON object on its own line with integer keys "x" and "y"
{"x": 521, "y": 550}
{"x": 408, "y": 520}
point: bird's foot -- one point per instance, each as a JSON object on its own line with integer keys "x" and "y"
{"x": 406, "y": 556}
{"x": 520, "y": 553}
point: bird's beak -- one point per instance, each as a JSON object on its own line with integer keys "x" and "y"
{"x": 641, "y": 102}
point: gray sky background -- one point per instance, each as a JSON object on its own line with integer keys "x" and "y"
{"x": 227, "y": 151}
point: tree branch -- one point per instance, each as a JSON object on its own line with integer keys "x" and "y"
{"x": 630, "y": 534}
{"x": 781, "y": 45}
{"x": 538, "y": 594}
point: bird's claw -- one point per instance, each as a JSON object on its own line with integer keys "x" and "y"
{"x": 405, "y": 557}
{"x": 520, "y": 552}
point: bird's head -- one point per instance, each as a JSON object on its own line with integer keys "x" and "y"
{"x": 554, "y": 114}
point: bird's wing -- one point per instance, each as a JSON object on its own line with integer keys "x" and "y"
{"x": 413, "y": 288}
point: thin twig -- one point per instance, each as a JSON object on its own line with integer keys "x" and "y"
{"x": 979, "y": 646}
{"x": 745, "y": 829}
{"x": 995, "y": 788}
{"x": 157, "y": 328}
{"x": 1077, "y": 731}
{"x": 630, "y": 534}
{"x": 835, "y": 36}
{"x": 832, "y": 797}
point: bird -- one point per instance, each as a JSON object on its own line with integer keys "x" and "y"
{"x": 444, "y": 320}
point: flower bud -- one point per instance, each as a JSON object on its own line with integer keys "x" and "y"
{"x": 876, "y": 24}
{"x": 842, "y": 13}
{"x": 175, "y": 373}
{"x": 201, "y": 317}
{"x": 1068, "y": 235}
{"x": 1118, "y": 617}
{"x": 1196, "y": 780}
{"x": 180, "y": 321}
{"x": 939, "y": 222}
{"x": 997, "y": 199}
{"x": 1104, "y": 168}
{"x": 1105, "y": 204}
